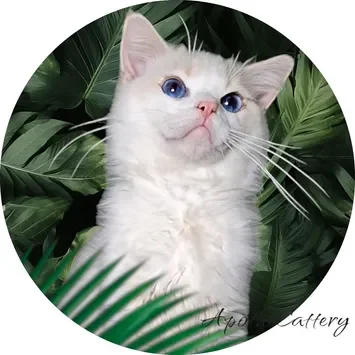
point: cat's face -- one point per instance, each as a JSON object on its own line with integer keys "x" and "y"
{"x": 187, "y": 103}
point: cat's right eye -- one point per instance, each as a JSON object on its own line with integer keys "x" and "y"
{"x": 232, "y": 102}
{"x": 174, "y": 88}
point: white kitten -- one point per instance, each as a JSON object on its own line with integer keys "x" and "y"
{"x": 178, "y": 196}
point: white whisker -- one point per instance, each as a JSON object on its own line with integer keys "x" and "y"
{"x": 74, "y": 140}
{"x": 188, "y": 37}
{"x": 232, "y": 66}
{"x": 87, "y": 153}
{"x": 220, "y": 149}
{"x": 282, "y": 190}
{"x": 89, "y": 123}
{"x": 286, "y": 173}
{"x": 195, "y": 43}
{"x": 264, "y": 140}
{"x": 270, "y": 151}
{"x": 240, "y": 68}
{"x": 288, "y": 162}
{"x": 200, "y": 47}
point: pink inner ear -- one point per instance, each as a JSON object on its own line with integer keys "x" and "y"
{"x": 127, "y": 71}
{"x": 132, "y": 66}
{"x": 265, "y": 79}
{"x": 140, "y": 45}
{"x": 267, "y": 99}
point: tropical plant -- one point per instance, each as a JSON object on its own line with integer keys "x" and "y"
{"x": 47, "y": 201}
{"x": 124, "y": 331}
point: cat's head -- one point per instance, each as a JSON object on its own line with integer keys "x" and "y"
{"x": 186, "y": 104}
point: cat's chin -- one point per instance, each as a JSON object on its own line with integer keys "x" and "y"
{"x": 196, "y": 134}
{"x": 199, "y": 134}
{"x": 197, "y": 145}
{"x": 202, "y": 151}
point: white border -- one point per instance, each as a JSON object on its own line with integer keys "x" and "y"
{"x": 30, "y": 30}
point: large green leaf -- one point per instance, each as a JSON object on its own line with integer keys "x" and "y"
{"x": 134, "y": 322}
{"x": 316, "y": 108}
{"x": 309, "y": 112}
{"x": 278, "y": 292}
{"x": 29, "y": 219}
{"x": 90, "y": 58}
{"x": 29, "y": 143}
{"x": 345, "y": 179}
{"x": 264, "y": 245}
{"x": 16, "y": 122}
{"x": 43, "y": 81}
{"x": 26, "y": 163}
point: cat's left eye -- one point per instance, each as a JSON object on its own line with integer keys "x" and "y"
{"x": 232, "y": 102}
{"x": 174, "y": 88}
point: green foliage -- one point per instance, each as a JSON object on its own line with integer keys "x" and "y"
{"x": 45, "y": 203}
{"x": 26, "y": 161}
{"x": 29, "y": 219}
{"x": 125, "y": 330}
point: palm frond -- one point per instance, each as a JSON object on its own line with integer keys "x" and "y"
{"x": 125, "y": 329}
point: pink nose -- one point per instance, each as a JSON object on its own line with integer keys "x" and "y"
{"x": 207, "y": 108}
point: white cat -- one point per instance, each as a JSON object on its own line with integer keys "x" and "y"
{"x": 182, "y": 176}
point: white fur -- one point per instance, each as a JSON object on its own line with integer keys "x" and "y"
{"x": 186, "y": 206}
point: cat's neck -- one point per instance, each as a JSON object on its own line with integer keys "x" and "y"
{"x": 230, "y": 175}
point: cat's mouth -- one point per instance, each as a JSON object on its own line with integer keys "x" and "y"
{"x": 199, "y": 132}
{"x": 203, "y": 132}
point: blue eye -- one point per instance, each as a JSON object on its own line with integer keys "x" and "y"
{"x": 174, "y": 88}
{"x": 232, "y": 102}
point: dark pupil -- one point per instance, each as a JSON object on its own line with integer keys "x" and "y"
{"x": 230, "y": 101}
{"x": 174, "y": 86}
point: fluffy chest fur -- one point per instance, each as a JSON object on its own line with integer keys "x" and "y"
{"x": 194, "y": 228}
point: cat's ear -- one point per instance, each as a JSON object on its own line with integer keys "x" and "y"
{"x": 140, "y": 44}
{"x": 265, "y": 79}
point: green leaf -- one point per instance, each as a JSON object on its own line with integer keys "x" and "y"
{"x": 264, "y": 244}
{"x": 244, "y": 26}
{"x": 157, "y": 11}
{"x": 80, "y": 239}
{"x": 100, "y": 298}
{"x": 17, "y": 120}
{"x": 345, "y": 179}
{"x": 75, "y": 277}
{"x": 317, "y": 107}
{"x": 27, "y": 169}
{"x": 53, "y": 273}
{"x": 133, "y": 322}
{"x": 201, "y": 342}
{"x": 308, "y": 113}
{"x": 277, "y": 293}
{"x": 31, "y": 142}
{"x": 40, "y": 267}
{"x": 30, "y": 219}
{"x": 137, "y": 319}
{"x": 177, "y": 338}
{"x": 43, "y": 81}
{"x": 85, "y": 291}
{"x": 158, "y": 331}
{"x": 117, "y": 306}
{"x": 169, "y": 25}
{"x": 219, "y": 46}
